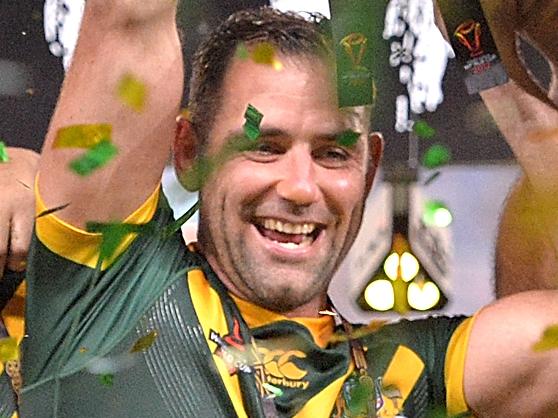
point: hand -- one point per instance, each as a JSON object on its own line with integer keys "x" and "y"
{"x": 537, "y": 21}
{"x": 17, "y": 207}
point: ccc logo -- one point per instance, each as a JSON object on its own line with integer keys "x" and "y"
{"x": 277, "y": 363}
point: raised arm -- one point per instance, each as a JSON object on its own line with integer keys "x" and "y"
{"x": 527, "y": 245}
{"x": 117, "y": 37}
{"x": 504, "y": 375}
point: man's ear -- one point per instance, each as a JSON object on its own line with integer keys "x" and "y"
{"x": 184, "y": 149}
{"x": 375, "y": 150}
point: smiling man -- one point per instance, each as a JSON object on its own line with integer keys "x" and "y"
{"x": 232, "y": 326}
{"x": 276, "y": 221}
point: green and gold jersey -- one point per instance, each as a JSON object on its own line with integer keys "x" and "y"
{"x": 11, "y": 326}
{"x": 148, "y": 334}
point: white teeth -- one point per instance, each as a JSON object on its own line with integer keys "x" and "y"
{"x": 288, "y": 228}
{"x": 288, "y": 245}
{"x": 306, "y": 242}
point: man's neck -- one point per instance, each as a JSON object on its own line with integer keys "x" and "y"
{"x": 310, "y": 309}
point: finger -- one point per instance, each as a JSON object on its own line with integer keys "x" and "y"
{"x": 4, "y": 237}
{"x": 20, "y": 239}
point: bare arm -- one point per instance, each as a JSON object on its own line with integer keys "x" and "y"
{"x": 116, "y": 37}
{"x": 504, "y": 376}
{"x": 17, "y": 207}
{"x": 527, "y": 246}
{"x": 526, "y": 254}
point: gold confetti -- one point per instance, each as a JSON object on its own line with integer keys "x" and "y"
{"x": 185, "y": 113}
{"x": 9, "y": 350}
{"x": 132, "y": 92}
{"x": 264, "y": 53}
{"x": 371, "y": 328}
{"x": 143, "y": 343}
{"x": 549, "y": 340}
{"x": 82, "y": 136}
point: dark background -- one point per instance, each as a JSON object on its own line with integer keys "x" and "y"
{"x": 462, "y": 123}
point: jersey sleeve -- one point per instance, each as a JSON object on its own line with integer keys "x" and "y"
{"x": 77, "y": 245}
{"x": 76, "y": 311}
{"x": 416, "y": 357}
{"x": 454, "y": 368}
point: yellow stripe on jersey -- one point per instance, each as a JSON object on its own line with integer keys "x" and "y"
{"x": 211, "y": 316}
{"x": 13, "y": 316}
{"x": 403, "y": 371}
{"x": 321, "y": 328}
{"x": 455, "y": 367}
{"x": 78, "y": 245}
{"x": 321, "y": 405}
{"x": 13, "y": 313}
{"x": 400, "y": 377}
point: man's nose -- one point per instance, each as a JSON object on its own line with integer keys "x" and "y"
{"x": 298, "y": 183}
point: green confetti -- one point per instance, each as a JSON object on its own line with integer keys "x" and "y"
{"x": 436, "y": 213}
{"x": 548, "y": 341}
{"x": 3, "y": 153}
{"x": 423, "y": 130}
{"x": 82, "y": 136}
{"x": 113, "y": 233}
{"x": 436, "y": 156}
{"x": 143, "y": 343}
{"x": 242, "y": 52}
{"x": 204, "y": 166}
{"x": 272, "y": 389}
{"x": 348, "y": 138}
{"x": 106, "y": 379}
{"x": 361, "y": 393}
{"x": 177, "y": 224}
{"x": 252, "y": 125}
{"x": 95, "y": 158}
{"x": 132, "y": 92}
{"x": 51, "y": 211}
{"x": 9, "y": 349}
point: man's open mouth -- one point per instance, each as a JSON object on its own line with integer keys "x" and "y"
{"x": 289, "y": 235}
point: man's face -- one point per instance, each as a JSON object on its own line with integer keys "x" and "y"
{"x": 276, "y": 221}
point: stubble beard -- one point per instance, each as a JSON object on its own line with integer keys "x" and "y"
{"x": 272, "y": 287}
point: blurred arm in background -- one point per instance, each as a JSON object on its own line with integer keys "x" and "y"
{"x": 17, "y": 207}
{"x": 527, "y": 245}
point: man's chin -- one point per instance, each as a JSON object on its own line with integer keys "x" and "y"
{"x": 287, "y": 299}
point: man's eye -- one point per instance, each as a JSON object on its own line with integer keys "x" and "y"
{"x": 264, "y": 148}
{"x": 333, "y": 153}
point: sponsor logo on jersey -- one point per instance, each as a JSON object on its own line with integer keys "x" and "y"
{"x": 280, "y": 370}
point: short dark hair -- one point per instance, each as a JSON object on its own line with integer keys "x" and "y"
{"x": 288, "y": 33}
